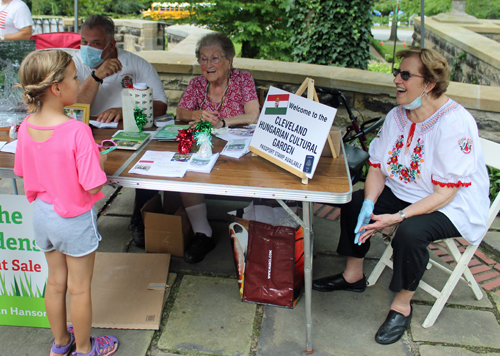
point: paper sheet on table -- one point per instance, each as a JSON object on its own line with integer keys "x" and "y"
{"x": 103, "y": 125}
{"x": 161, "y": 164}
{"x": 202, "y": 165}
{"x": 228, "y": 134}
{"x": 10, "y": 147}
{"x": 236, "y": 148}
{"x": 2, "y": 143}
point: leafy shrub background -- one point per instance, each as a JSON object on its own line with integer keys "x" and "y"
{"x": 331, "y": 32}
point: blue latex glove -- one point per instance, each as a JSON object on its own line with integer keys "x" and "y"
{"x": 363, "y": 218}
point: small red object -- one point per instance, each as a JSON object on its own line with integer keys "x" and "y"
{"x": 186, "y": 140}
{"x": 381, "y": 43}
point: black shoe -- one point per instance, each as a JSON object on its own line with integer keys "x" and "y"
{"x": 136, "y": 228}
{"x": 200, "y": 246}
{"x": 337, "y": 282}
{"x": 393, "y": 327}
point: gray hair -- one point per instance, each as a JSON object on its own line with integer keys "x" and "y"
{"x": 216, "y": 39}
{"x": 103, "y": 22}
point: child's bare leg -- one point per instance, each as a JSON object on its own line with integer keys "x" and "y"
{"x": 80, "y": 271}
{"x": 55, "y": 296}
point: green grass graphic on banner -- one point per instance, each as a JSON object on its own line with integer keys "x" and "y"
{"x": 21, "y": 288}
{"x": 23, "y": 311}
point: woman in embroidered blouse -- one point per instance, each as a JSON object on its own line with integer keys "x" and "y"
{"x": 427, "y": 174}
{"x": 222, "y": 95}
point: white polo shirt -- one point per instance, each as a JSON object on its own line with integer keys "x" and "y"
{"x": 14, "y": 16}
{"x": 135, "y": 70}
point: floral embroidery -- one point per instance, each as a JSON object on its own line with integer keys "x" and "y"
{"x": 465, "y": 145}
{"x": 379, "y": 133}
{"x": 406, "y": 174}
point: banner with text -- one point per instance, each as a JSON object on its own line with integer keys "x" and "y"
{"x": 23, "y": 268}
{"x": 293, "y": 130}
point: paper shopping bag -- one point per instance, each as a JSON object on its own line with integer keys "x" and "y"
{"x": 274, "y": 268}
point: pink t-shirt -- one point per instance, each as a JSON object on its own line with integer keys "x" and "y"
{"x": 61, "y": 169}
{"x": 241, "y": 90}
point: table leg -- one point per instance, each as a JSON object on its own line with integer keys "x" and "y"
{"x": 308, "y": 254}
{"x": 14, "y": 186}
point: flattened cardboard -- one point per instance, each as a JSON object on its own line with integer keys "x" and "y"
{"x": 166, "y": 227}
{"x": 120, "y": 295}
{"x": 336, "y": 136}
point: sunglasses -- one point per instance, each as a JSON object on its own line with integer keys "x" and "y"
{"x": 107, "y": 146}
{"x": 405, "y": 75}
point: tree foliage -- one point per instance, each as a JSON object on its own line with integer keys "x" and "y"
{"x": 482, "y": 9}
{"x": 260, "y": 26}
{"x": 88, "y": 7}
{"x": 334, "y": 32}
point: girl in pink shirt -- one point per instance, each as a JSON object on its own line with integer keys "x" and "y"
{"x": 63, "y": 176}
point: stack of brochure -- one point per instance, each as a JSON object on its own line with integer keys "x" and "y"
{"x": 163, "y": 120}
{"x": 169, "y": 132}
{"x": 236, "y": 148}
{"x": 126, "y": 140}
{"x": 172, "y": 164}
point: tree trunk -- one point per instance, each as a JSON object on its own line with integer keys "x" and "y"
{"x": 394, "y": 32}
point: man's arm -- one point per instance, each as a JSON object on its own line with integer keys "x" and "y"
{"x": 90, "y": 87}
{"x": 23, "y": 34}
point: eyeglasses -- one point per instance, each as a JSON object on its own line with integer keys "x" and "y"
{"x": 107, "y": 146}
{"x": 405, "y": 75}
{"x": 214, "y": 60}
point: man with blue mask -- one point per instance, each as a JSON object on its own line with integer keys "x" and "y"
{"x": 106, "y": 70}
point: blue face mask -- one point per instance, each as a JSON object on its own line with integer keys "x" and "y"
{"x": 92, "y": 56}
{"x": 415, "y": 104}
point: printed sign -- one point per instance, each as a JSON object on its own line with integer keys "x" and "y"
{"x": 23, "y": 268}
{"x": 292, "y": 131}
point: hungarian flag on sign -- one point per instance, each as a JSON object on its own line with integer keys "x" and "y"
{"x": 280, "y": 104}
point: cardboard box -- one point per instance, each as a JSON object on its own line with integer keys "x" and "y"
{"x": 128, "y": 290}
{"x": 336, "y": 136}
{"x": 166, "y": 226}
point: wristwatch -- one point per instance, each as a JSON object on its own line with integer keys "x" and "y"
{"x": 99, "y": 80}
{"x": 2, "y": 38}
{"x": 402, "y": 214}
{"x": 223, "y": 122}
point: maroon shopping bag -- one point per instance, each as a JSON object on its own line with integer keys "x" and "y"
{"x": 274, "y": 269}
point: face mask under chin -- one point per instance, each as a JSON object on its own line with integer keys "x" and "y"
{"x": 415, "y": 104}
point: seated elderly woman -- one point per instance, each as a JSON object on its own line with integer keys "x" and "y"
{"x": 427, "y": 174}
{"x": 223, "y": 96}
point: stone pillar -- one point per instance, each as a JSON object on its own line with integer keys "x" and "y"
{"x": 457, "y": 14}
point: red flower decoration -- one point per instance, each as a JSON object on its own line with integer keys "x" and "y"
{"x": 394, "y": 159}
{"x": 414, "y": 165}
{"x": 404, "y": 172}
{"x": 186, "y": 140}
{"x": 399, "y": 144}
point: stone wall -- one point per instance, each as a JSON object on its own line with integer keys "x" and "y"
{"x": 131, "y": 35}
{"x": 473, "y": 57}
{"x": 372, "y": 93}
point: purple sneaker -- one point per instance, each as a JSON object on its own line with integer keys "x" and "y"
{"x": 58, "y": 350}
{"x": 101, "y": 346}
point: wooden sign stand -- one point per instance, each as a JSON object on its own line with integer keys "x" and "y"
{"x": 311, "y": 95}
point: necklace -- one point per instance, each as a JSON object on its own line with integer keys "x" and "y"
{"x": 221, "y": 103}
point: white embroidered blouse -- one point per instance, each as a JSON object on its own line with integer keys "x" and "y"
{"x": 444, "y": 150}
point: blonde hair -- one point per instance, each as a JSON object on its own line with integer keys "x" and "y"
{"x": 435, "y": 68}
{"x": 38, "y": 71}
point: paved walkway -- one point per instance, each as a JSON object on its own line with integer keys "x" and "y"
{"x": 204, "y": 316}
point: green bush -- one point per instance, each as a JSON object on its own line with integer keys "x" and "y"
{"x": 331, "y": 32}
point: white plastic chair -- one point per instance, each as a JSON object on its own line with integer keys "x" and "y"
{"x": 491, "y": 151}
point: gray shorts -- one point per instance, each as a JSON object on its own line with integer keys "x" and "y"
{"x": 77, "y": 236}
